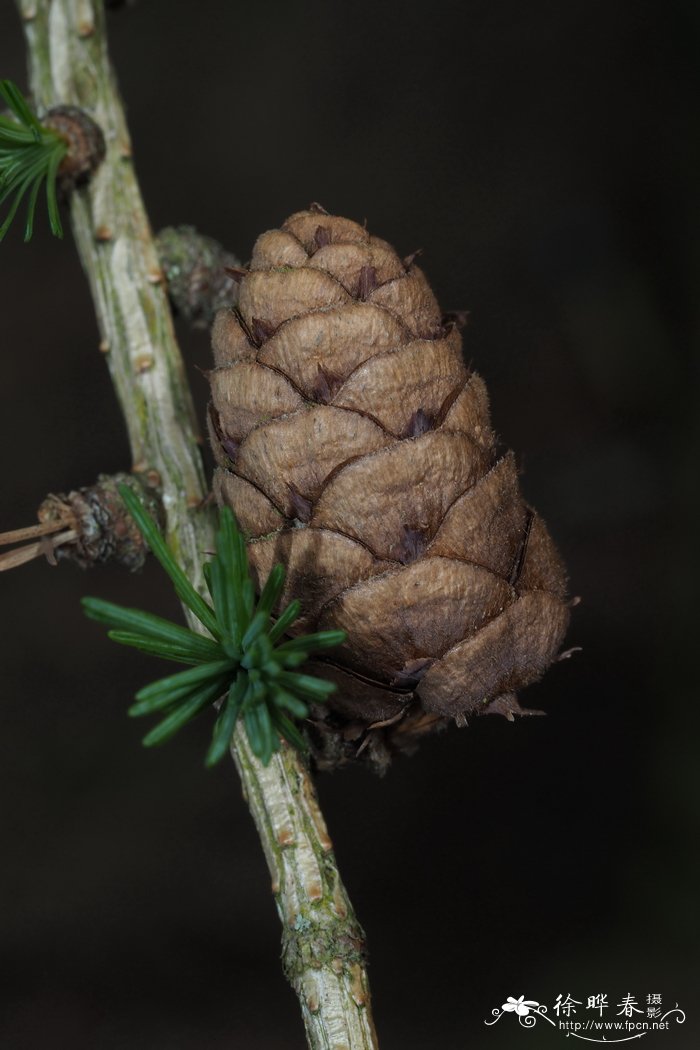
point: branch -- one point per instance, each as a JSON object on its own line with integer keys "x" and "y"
{"x": 322, "y": 941}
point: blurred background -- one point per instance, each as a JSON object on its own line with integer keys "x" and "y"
{"x": 545, "y": 157}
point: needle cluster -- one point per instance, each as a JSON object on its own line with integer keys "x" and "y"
{"x": 246, "y": 659}
{"x": 30, "y": 154}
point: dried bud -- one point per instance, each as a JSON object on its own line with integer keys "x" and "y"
{"x": 355, "y": 447}
{"x": 104, "y": 530}
{"x": 196, "y": 269}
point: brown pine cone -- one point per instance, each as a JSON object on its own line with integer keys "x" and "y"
{"x": 355, "y": 447}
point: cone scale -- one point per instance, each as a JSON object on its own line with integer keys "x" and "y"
{"x": 355, "y": 447}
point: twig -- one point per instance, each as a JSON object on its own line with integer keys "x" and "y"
{"x": 322, "y": 941}
{"x": 30, "y": 551}
{"x": 29, "y": 533}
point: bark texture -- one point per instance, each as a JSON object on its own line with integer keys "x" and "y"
{"x": 355, "y": 447}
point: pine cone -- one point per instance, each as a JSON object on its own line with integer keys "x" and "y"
{"x": 355, "y": 447}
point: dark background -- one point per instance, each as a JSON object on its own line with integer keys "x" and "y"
{"x": 545, "y": 157}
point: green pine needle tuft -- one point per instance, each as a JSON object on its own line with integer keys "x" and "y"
{"x": 29, "y": 155}
{"x": 246, "y": 663}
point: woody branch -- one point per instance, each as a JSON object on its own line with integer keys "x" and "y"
{"x": 322, "y": 942}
